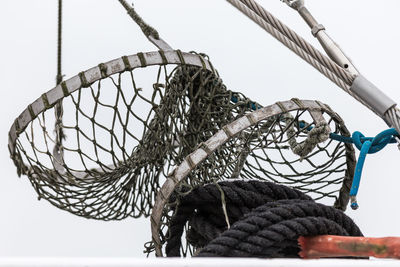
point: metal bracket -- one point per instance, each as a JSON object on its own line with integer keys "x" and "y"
{"x": 159, "y": 43}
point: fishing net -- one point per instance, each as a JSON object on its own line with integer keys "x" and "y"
{"x": 125, "y": 125}
{"x": 286, "y": 143}
{"x": 119, "y": 137}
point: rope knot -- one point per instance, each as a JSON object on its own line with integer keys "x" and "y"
{"x": 367, "y": 145}
{"x": 316, "y": 135}
{"x": 320, "y": 132}
{"x": 376, "y": 143}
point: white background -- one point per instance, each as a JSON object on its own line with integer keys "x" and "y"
{"x": 248, "y": 60}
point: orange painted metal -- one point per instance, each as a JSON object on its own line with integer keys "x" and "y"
{"x": 314, "y": 247}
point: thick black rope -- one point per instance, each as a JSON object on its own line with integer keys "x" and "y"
{"x": 266, "y": 220}
{"x": 204, "y": 203}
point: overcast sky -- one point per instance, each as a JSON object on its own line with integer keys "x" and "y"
{"x": 248, "y": 60}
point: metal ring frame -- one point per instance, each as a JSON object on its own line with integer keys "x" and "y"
{"x": 84, "y": 79}
{"x": 315, "y": 109}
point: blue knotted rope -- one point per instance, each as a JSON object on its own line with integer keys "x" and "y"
{"x": 366, "y": 145}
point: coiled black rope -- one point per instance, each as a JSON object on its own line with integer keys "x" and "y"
{"x": 266, "y": 219}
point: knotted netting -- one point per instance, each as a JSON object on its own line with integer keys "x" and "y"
{"x": 125, "y": 125}
{"x": 133, "y": 124}
{"x": 286, "y": 143}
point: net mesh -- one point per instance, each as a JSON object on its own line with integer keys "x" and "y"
{"x": 282, "y": 148}
{"x": 123, "y": 135}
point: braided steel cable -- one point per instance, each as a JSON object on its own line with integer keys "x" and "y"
{"x": 307, "y": 52}
{"x": 292, "y": 45}
{"x": 299, "y": 41}
{"x": 392, "y": 117}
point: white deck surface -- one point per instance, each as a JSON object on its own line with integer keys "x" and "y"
{"x": 171, "y": 262}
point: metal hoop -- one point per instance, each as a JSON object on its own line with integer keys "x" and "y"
{"x": 233, "y": 129}
{"x": 84, "y": 79}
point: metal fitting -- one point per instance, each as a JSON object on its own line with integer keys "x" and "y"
{"x": 370, "y": 94}
{"x": 295, "y": 4}
{"x": 316, "y": 28}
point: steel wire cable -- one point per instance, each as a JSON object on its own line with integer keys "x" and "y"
{"x": 299, "y": 41}
{"x": 392, "y": 117}
{"x": 310, "y": 54}
{"x": 285, "y": 40}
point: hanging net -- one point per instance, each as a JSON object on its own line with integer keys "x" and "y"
{"x": 286, "y": 143}
{"x": 120, "y": 137}
{"x": 125, "y": 125}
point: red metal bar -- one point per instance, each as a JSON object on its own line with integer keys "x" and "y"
{"x": 314, "y": 247}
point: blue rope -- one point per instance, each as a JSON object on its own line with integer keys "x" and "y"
{"x": 252, "y": 105}
{"x": 366, "y": 145}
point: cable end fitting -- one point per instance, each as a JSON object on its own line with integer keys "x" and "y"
{"x": 370, "y": 94}
{"x": 295, "y": 4}
{"x": 315, "y": 29}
